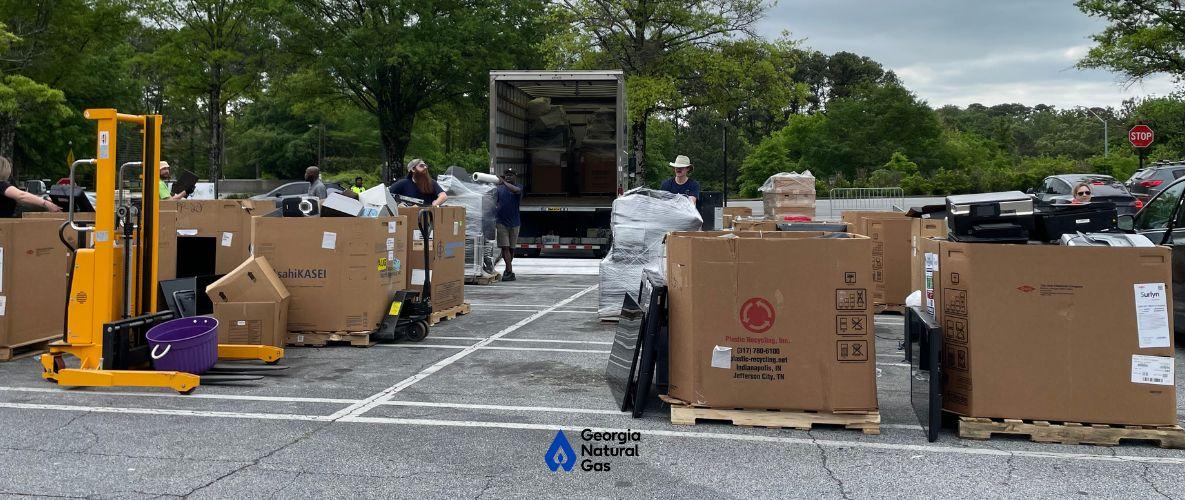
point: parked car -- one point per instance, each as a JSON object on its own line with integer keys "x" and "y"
{"x": 297, "y": 188}
{"x": 1153, "y": 221}
{"x": 1146, "y": 183}
{"x": 1058, "y": 190}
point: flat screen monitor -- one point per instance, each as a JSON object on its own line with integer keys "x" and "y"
{"x": 923, "y": 340}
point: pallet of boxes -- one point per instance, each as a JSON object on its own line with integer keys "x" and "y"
{"x": 789, "y": 196}
{"x": 446, "y": 256}
{"x": 1074, "y": 346}
{"x": 479, "y": 202}
{"x": 771, "y": 329}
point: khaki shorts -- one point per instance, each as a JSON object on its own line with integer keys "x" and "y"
{"x": 507, "y": 236}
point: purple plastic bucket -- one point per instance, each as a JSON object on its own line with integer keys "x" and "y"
{"x": 184, "y": 344}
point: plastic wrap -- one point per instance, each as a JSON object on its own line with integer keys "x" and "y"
{"x": 480, "y": 202}
{"x": 787, "y": 181}
{"x": 641, "y": 218}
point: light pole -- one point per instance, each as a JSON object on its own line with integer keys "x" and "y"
{"x": 1106, "y": 144}
{"x": 320, "y": 142}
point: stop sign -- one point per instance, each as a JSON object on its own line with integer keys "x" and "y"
{"x": 1140, "y": 136}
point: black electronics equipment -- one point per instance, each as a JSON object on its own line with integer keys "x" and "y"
{"x": 300, "y": 206}
{"x": 923, "y": 339}
{"x": 1055, "y": 220}
{"x": 186, "y": 182}
{"x": 1005, "y": 217}
{"x": 638, "y": 358}
{"x": 60, "y": 195}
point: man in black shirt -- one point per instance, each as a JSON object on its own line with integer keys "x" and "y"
{"x": 681, "y": 183}
{"x": 419, "y": 184}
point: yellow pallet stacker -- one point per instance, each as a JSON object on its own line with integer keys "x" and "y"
{"x": 112, "y": 300}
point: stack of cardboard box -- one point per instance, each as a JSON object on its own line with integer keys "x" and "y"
{"x": 251, "y": 305}
{"x": 892, "y": 262}
{"x": 728, "y": 214}
{"x": 746, "y": 333}
{"x": 548, "y": 134}
{"x": 789, "y": 195}
{"x": 32, "y": 282}
{"x": 1075, "y": 334}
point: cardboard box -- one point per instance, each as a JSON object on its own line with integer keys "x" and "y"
{"x": 922, "y": 230}
{"x": 892, "y": 263}
{"x": 855, "y": 218}
{"x": 253, "y": 281}
{"x": 729, "y": 214}
{"x": 446, "y": 251}
{"x": 341, "y": 272}
{"x": 746, "y": 333}
{"x": 598, "y": 170}
{"x": 32, "y": 281}
{"x": 1058, "y": 338}
{"x": 754, "y": 225}
{"x": 547, "y": 179}
{"x": 227, "y": 221}
{"x": 252, "y": 323}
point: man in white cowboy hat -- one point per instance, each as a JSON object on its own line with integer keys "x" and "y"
{"x": 681, "y": 183}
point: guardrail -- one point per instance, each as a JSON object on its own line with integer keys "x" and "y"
{"x": 881, "y": 199}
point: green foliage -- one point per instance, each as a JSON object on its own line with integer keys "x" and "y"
{"x": 783, "y": 151}
{"x": 1142, "y": 38}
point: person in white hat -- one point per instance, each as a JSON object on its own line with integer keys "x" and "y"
{"x": 681, "y": 183}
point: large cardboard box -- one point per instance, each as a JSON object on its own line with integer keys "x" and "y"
{"x": 922, "y": 230}
{"x": 772, "y": 320}
{"x": 446, "y": 252}
{"x": 547, "y": 179}
{"x": 32, "y": 281}
{"x": 598, "y": 169}
{"x": 1075, "y": 334}
{"x": 754, "y": 225}
{"x": 729, "y": 214}
{"x": 255, "y": 280}
{"x": 892, "y": 263}
{"x": 341, "y": 272}
{"x": 856, "y": 218}
{"x": 228, "y": 222}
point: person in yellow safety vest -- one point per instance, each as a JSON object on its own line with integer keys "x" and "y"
{"x": 357, "y": 188}
{"x": 163, "y": 188}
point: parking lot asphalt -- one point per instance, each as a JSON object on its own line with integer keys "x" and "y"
{"x": 471, "y": 412}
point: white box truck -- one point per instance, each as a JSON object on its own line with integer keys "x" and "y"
{"x": 564, "y": 134}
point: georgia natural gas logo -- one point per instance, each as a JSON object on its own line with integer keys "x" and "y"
{"x": 596, "y": 450}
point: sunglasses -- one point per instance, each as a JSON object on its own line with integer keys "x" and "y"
{"x": 1084, "y": 193}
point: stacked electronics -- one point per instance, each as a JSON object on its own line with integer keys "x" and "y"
{"x": 637, "y": 360}
{"x": 1011, "y": 217}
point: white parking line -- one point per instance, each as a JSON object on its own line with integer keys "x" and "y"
{"x": 499, "y": 305}
{"x": 598, "y": 342}
{"x": 226, "y": 397}
{"x": 493, "y": 348}
{"x": 466, "y": 406}
{"x": 389, "y": 393}
{"x": 558, "y": 311}
{"x": 956, "y": 450}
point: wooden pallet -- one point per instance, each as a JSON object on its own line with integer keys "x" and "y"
{"x": 1041, "y": 431}
{"x": 869, "y": 422}
{"x": 450, "y": 313}
{"x": 893, "y": 308}
{"x": 9, "y": 353}
{"x": 323, "y": 339}
{"x": 483, "y": 280}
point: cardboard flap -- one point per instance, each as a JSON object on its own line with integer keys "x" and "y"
{"x": 253, "y": 281}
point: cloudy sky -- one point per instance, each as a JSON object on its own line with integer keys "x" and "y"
{"x": 966, "y": 51}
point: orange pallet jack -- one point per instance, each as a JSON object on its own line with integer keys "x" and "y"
{"x": 112, "y": 299}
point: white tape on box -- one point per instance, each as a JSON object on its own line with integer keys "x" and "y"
{"x": 187, "y": 232}
{"x": 390, "y": 244}
{"x": 329, "y": 240}
{"x": 228, "y": 239}
{"x": 722, "y": 357}
{"x": 3, "y": 304}
{"x": 1156, "y": 370}
{"x": 1152, "y": 315}
{"x": 417, "y": 277}
{"x": 392, "y": 227}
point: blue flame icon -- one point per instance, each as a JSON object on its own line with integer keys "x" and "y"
{"x": 560, "y": 454}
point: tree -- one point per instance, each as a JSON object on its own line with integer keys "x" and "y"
{"x": 395, "y": 59}
{"x": 1143, "y": 37}
{"x": 651, "y": 41}
{"x": 214, "y": 51}
{"x": 21, "y": 97}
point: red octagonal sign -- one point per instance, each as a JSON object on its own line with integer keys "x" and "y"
{"x": 1141, "y": 136}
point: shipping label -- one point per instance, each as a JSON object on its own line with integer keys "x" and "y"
{"x": 1157, "y": 370}
{"x": 1152, "y": 315}
{"x": 228, "y": 239}
{"x": 931, "y": 260}
{"x": 722, "y": 357}
{"x": 329, "y": 240}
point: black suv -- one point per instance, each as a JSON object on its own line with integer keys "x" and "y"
{"x": 1146, "y": 183}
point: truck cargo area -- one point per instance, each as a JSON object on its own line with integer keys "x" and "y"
{"x": 564, "y": 133}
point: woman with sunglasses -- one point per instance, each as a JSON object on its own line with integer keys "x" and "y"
{"x": 1082, "y": 192}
